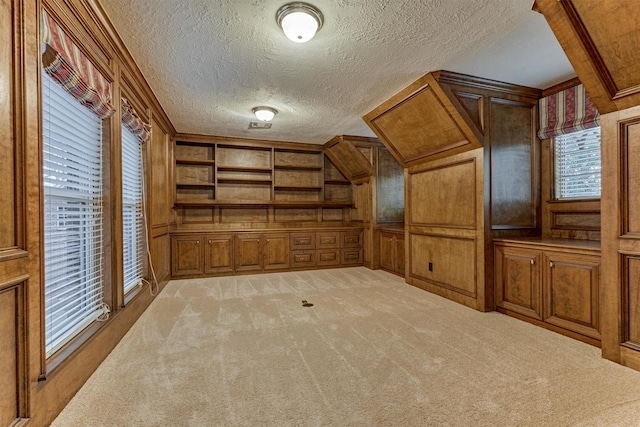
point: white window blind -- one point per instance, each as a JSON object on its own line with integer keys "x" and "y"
{"x": 577, "y": 164}
{"x": 72, "y": 179}
{"x": 132, "y": 209}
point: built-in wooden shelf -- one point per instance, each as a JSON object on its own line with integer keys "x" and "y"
{"x": 242, "y": 169}
{"x": 337, "y": 182}
{"x": 298, "y": 168}
{"x": 203, "y": 162}
{"x": 243, "y": 181}
{"x": 266, "y": 203}
{"x": 295, "y": 188}
{"x": 199, "y": 185}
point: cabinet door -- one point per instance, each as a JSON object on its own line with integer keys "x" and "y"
{"x": 387, "y": 246}
{"x": 218, "y": 253}
{"x": 571, "y": 292}
{"x": 518, "y": 281}
{"x": 276, "y": 251}
{"x": 399, "y": 252}
{"x": 186, "y": 255}
{"x": 248, "y": 252}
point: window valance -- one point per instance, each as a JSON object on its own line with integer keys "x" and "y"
{"x": 67, "y": 65}
{"x": 134, "y": 123}
{"x": 567, "y": 111}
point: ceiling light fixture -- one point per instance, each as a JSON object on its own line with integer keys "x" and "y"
{"x": 265, "y": 114}
{"x": 299, "y": 21}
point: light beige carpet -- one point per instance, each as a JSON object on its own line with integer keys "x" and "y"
{"x": 372, "y": 351}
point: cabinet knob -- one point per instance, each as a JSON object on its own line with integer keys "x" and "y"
{"x": 532, "y": 261}
{"x": 197, "y": 242}
{"x": 551, "y": 264}
{"x": 209, "y": 241}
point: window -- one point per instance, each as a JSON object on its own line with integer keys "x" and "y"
{"x": 577, "y": 164}
{"x": 72, "y": 180}
{"x": 132, "y": 209}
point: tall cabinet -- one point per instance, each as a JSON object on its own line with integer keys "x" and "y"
{"x": 471, "y": 159}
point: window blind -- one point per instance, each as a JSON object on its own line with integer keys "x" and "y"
{"x": 72, "y": 181}
{"x": 132, "y": 209}
{"x": 577, "y": 164}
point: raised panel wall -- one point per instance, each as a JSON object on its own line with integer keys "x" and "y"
{"x": 449, "y": 262}
{"x": 444, "y": 195}
{"x": 513, "y": 154}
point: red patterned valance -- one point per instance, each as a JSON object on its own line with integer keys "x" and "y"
{"x": 134, "y": 123}
{"x": 567, "y": 111}
{"x": 67, "y": 65}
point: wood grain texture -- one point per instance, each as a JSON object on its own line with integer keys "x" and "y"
{"x": 449, "y": 262}
{"x": 390, "y": 188}
{"x": 585, "y": 29}
{"x": 571, "y": 294}
{"x": 248, "y": 252}
{"x": 518, "y": 280}
{"x": 513, "y": 159}
{"x": 276, "y": 251}
{"x": 218, "y": 253}
{"x": 449, "y": 192}
{"x": 615, "y": 287}
{"x": 186, "y": 255}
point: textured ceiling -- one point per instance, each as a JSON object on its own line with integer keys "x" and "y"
{"x": 210, "y": 62}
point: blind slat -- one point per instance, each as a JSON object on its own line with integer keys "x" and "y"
{"x": 578, "y": 164}
{"x": 72, "y": 181}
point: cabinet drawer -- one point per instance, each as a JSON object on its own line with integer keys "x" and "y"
{"x": 328, "y": 240}
{"x": 351, "y": 256}
{"x": 350, "y": 239}
{"x": 302, "y": 241}
{"x": 303, "y": 258}
{"x": 328, "y": 257}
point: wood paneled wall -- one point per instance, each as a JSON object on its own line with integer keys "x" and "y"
{"x": 33, "y": 389}
{"x": 445, "y": 228}
{"x": 462, "y": 199}
{"x": 620, "y": 291}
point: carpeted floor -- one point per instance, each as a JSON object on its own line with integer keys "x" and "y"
{"x": 372, "y": 351}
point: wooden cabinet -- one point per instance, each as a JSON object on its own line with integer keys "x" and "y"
{"x": 554, "y": 282}
{"x": 571, "y": 288}
{"x": 392, "y": 250}
{"x": 186, "y": 257}
{"x": 518, "y": 280}
{"x": 248, "y": 252}
{"x": 218, "y": 254}
{"x": 276, "y": 251}
{"x": 209, "y": 254}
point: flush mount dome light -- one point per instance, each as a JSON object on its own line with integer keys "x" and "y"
{"x": 299, "y": 21}
{"x": 265, "y": 114}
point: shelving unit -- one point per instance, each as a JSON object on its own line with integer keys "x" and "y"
{"x": 214, "y": 174}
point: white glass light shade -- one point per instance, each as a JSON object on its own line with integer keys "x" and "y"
{"x": 299, "y": 27}
{"x": 266, "y": 114}
{"x": 299, "y": 21}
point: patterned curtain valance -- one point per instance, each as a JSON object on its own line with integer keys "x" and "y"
{"x": 67, "y": 65}
{"x": 134, "y": 123}
{"x": 567, "y": 111}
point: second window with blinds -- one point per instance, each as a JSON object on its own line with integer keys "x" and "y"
{"x": 577, "y": 165}
{"x": 133, "y": 242}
